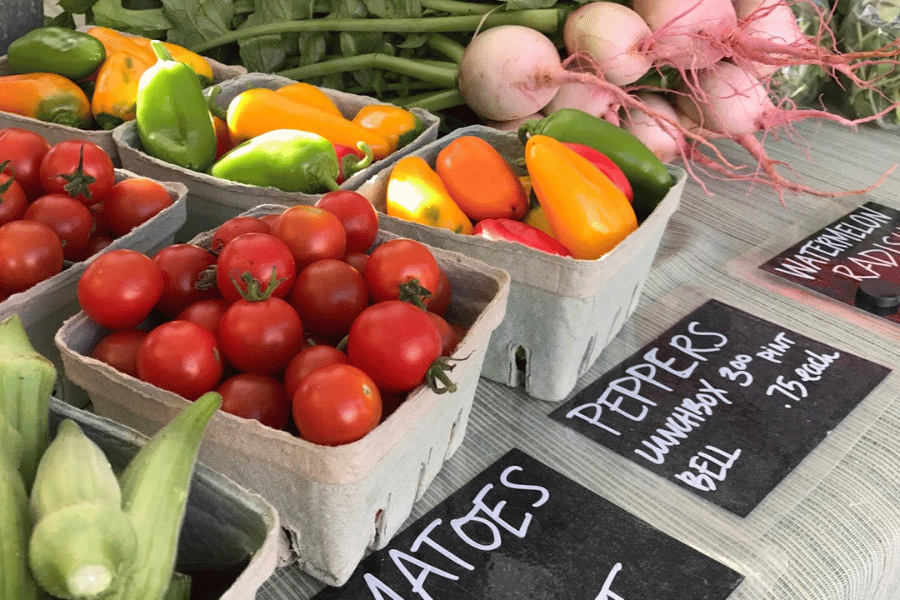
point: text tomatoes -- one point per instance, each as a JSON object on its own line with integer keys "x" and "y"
{"x": 25, "y": 150}
{"x": 259, "y": 258}
{"x": 79, "y": 168}
{"x": 181, "y": 357}
{"x": 132, "y": 202}
{"x": 396, "y": 262}
{"x": 260, "y": 335}
{"x": 30, "y": 252}
{"x": 395, "y": 343}
{"x": 118, "y": 289}
{"x": 336, "y": 404}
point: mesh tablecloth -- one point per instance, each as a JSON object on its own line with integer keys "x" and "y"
{"x": 831, "y": 529}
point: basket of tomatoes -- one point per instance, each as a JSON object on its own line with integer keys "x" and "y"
{"x": 62, "y": 205}
{"x": 478, "y": 191}
{"x": 347, "y": 358}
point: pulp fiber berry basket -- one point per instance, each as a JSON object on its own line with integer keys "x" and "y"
{"x": 212, "y": 200}
{"x": 45, "y": 306}
{"x": 335, "y": 502}
{"x": 55, "y": 133}
{"x": 229, "y": 538}
{"x": 562, "y": 312}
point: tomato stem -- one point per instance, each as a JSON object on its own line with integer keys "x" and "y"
{"x": 8, "y": 183}
{"x": 436, "y": 377}
{"x": 413, "y": 292}
{"x": 255, "y": 292}
{"x": 78, "y": 180}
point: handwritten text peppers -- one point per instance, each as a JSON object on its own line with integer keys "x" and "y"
{"x": 586, "y": 211}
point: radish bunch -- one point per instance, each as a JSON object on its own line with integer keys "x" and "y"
{"x": 723, "y": 55}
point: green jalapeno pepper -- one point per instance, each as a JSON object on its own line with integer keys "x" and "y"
{"x": 288, "y": 159}
{"x": 66, "y": 52}
{"x": 647, "y": 174}
{"x": 172, "y": 114}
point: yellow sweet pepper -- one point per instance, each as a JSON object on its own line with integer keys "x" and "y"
{"x": 307, "y": 93}
{"x": 115, "y": 92}
{"x": 585, "y": 210}
{"x": 416, "y": 193}
{"x": 395, "y": 124}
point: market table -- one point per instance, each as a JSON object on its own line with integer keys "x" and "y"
{"x": 831, "y": 529}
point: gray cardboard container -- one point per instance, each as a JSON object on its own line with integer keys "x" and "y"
{"x": 55, "y": 133}
{"x": 230, "y": 538}
{"x": 562, "y": 312}
{"x": 334, "y": 502}
{"x": 45, "y": 306}
{"x": 212, "y": 200}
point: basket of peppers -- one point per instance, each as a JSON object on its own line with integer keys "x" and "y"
{"x": 571, "y": 206}
{"x": 261, "y": 139}
{"x": 81, "y": 83}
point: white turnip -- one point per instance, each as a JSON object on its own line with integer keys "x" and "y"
{"x": 587, "y": 97}
{"x": 666, "y": 141}
{"x": 687, "y": 34}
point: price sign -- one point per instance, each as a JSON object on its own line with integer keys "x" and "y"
{"x": 522, "y": 531}
{"x": 855, "y": 260}
{"x": 724, "y": 403}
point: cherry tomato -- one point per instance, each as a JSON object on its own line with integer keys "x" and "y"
{"x": 396, "y": 262}
{"x": 256, "y": 396}
{"x": 95, "y": 244}
{"x": 13, "y": 200}
{"x": 262, "y": 257}
{"x": 69, "y": 218}
{"x": 260, "y": 336}
{"x": 449, "y": 337}
{"x": 336, "y": 404}
{"x": 356, "y": 213}
{"x": 79, "y": 168}
{"x": 308, "y": 360}
{"x": 181, "y": 357}
{"x": 30, "y": 252}
{"x": 441, "y": 296}
{"x": 186, "y": 276}
{"x": 395, "y": 343}
{"x": 119, "y": 349}
{"x": 25, "y": 149}
{"x": 234, "y": 227}
{"x": 312, "y": 233}
{"x": 207, "y": 312}
{"x": 329, "y": 294}
{"x": 133, "y": 202}
{"x": 119, "y": 288}
{"x": 357, "y": 260}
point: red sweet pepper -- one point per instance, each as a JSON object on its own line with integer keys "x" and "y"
{"x": 608, "y": 167}
{"x": 519, "y": 232}
{"x": 352, "y": 160}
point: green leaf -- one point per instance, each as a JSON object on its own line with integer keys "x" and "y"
{"x": 267, "y": 53}
{"x": 196, "y": 21}
{"x": 149, "y": 23}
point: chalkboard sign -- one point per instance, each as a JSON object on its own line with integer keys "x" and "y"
{"x": 855, "y": 260}
{"x": 520, "y": 530}
{"x": 724, "y": 403}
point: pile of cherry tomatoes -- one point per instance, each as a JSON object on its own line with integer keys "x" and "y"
{"x": 299, "y": 319}
{"x": 61, "y": 203}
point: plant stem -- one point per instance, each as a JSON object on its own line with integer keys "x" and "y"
{"x": 446, "y": 46}
{"x": 432, "y": 101}
{"x": 443, "y": 76}
{"x": 545, "y": 20}
{"x": 457, "y": 7}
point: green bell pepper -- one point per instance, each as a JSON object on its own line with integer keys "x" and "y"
{"x": 66, "y": 52}
{"x": 647, "y": 174}
{"x": 172, "y": 116}
{"x": 288, "y": 159}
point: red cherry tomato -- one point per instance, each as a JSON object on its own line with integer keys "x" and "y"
{"x": 79, "y": 168}
{"x": 25, "y": 149}
{"x": 262, "y": 257}
{"x": 207, "y": 312}
{"x": 397, "y": 262}
{"x": 181, "y": 357}
{"x": 356, "y": 213}
{"x": 329, "y": 294}
{"x": 441, "y": 297}
{"x": 256, "y": 396}
{"x": 312, "y": 233}
{"x": 449, "y": 336}
{"x": 119, "y": 288}
{"x": 186, "y": 276}
{"x": 30, "y": 252}
{"x": 119, "y": 349}
{"x": 132, "y": 202}
{"x": 13, "y": 200}
{"x": 69, "y": 218}
{"x": 357, "y": 260}
{"x": 336, "y": 404}
{"x": 395, "y": 343}
{"x": 234, "y": 227}
{"x": 308, "y": 360}
{"x": 260, "y": 336}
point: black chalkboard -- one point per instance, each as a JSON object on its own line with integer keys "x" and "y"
{"x": 724, "y": 403}
{"x": 520, "y": 530}
{"x": 854, "y": 260}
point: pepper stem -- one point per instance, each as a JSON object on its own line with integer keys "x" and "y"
{"x": 352, "y": 164}
{"x": 162, "y": 53}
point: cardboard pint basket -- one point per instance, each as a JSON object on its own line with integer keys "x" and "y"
{"x": 230, "y": 538}
{"x": 562, "y": 312}
{"x": 212, "y": 200}
{"x": 335, "y": 502}
{"x": 55, "y": 133}
{"x": 45, "y": 306}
